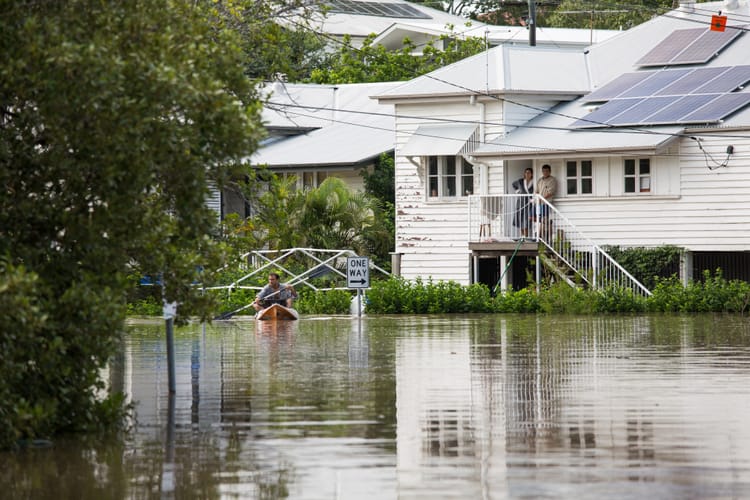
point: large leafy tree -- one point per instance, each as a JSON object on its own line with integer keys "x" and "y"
{"x": 114, "y": 118}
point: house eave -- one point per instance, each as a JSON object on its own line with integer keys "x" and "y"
{"x": 489, "y": 95}
{"x": 565, "y": 153}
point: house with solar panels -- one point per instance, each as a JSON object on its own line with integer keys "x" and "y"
{"x": 647, "y": 134}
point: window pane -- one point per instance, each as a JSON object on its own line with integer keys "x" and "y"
{"x": 449, "y": 186}
{"x": 433, "y": 187}
{"x": 572, "y": 186}
{"x": 321, "y": 177}
{"x": 645, "y": 184}
{"x": 644, "y": 166}
{"x": 586, "y": 185}
{"x": 467, "y": 179}
{"x": 433, "y": 165}
{"x": 307, "y": 179}
{"x": 467, "y": 185}
{"x": 630, "y": 184}
{"x": 450, "y": 165}
{"x": 571, "y": 169}
{"x": 629, "y": 167}
{"x": 586, "y": 168}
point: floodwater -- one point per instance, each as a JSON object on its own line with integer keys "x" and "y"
{"x": 420, "y": 407}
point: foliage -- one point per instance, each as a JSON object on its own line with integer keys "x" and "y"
{"x": 380, "y": 184}
{"x": 648, "y": 264}
{"x": 714, "y": 294}
{"x": 330, "y": 216}
{"x": 563, "y": 298}
{"x": 335, "y": 301}
{"x": 399, "y": 296}
{"x": 114, "y": 119}
{"x": 375, "y": 63}
{"x": 525, "y": 300}
{"x": 606, "y": 15}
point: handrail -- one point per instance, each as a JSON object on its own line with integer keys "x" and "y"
{"x": 501, "y": 218}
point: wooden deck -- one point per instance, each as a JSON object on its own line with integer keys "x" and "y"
{"x": 503, "y": 248}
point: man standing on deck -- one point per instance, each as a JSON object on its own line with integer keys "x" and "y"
{"x": 546, "y": 187}
{"x": 274, "y": 293}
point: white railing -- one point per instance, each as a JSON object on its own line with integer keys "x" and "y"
{"x": 319, "y": 261}
{"x": 504, "y": 217}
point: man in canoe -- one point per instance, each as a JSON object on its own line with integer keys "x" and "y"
{"x": 275, "y": 293}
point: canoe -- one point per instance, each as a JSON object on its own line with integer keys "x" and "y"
{"x": 277, "y": 312}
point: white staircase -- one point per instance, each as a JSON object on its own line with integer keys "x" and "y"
{"x": 492, "y": 217}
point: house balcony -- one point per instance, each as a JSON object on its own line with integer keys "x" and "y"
{"x": 510, "y": 224}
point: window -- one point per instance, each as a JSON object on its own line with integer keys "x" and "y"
{"x": 308, "y": 179}
{"x": 637, "y": 175}
{"x": 449, "y": 177}
{"x": 579, "y": 177}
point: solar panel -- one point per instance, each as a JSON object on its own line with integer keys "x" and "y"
{"x": 718, "y": 109}
{"x": 682, "y": 107}
{"x": 692, "y": 81}
{"x": 690, "y": 46}
{"x": 733, "y": 78}
{"x": 706, "y": 46}
{"x": 616, "y": 86}
{"x": 606, "y": 112}
{"x": 657, "y": 81}
{"x": 638, "y": 113}
{"x": 380, "y": 9}
{"x": 670, "y": 47}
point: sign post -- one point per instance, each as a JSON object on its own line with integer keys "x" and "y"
{"x": 358, "y": 276}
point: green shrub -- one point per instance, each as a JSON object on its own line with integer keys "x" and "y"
{"x": 619, "y": 299}
{"x": 648, "y": 265}
{"x": 336, "y": 301}
{"x": 713, "y": 294}
{"x": 563, "y": 298}
{"x": 525, "y": 300}
{"x": 399, "y": 296}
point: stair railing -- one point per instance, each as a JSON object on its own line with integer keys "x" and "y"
{"x": 570, "y": 247}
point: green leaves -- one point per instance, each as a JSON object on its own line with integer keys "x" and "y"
{"x": 375, "y": 63}
{"x": 114, "y": 118}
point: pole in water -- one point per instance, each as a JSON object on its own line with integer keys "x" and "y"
{"x": 170, "y": 310}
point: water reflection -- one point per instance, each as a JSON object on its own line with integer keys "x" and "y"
{"x": 421, "y": 407}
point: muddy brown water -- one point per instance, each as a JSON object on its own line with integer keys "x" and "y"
{"x": 420, "y": 407}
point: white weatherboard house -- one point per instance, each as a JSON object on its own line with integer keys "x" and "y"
{"x": 647, "y": 133}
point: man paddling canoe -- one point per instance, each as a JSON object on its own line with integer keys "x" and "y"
{"x": 275, "y": 293}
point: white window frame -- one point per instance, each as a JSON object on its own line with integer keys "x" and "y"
{"x": 580, "y": 179}
{"x": 642, "y": 182}
{"x": 448, "y": 177}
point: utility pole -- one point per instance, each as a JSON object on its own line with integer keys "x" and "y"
{"x": 532, "y": 23}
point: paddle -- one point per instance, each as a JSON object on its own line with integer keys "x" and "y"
{"x": 228, "y": 315}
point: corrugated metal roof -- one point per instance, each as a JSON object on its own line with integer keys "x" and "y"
{"x": 360, "y": 26}
{"x": 502, "y": 70}
{"x": 550, "y": 135}
{"x": 353, "y": 127}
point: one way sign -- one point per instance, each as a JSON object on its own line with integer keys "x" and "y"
{"x": 358, "y": 272}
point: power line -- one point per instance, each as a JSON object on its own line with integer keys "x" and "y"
{"x": 609, "y": 128}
